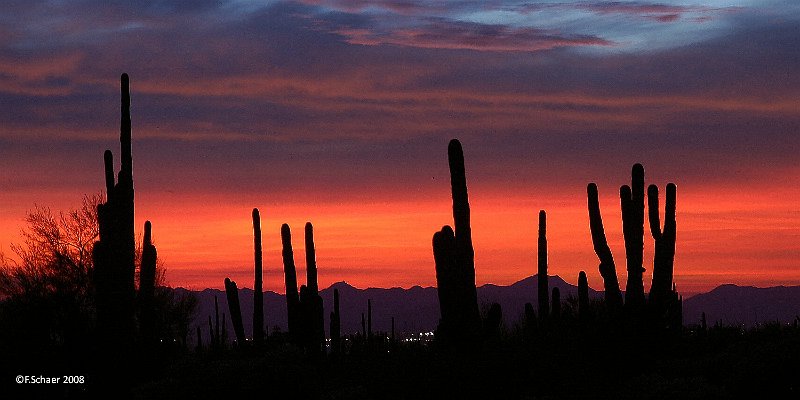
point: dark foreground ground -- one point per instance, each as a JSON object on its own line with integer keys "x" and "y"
{"x": 722, "y": 363}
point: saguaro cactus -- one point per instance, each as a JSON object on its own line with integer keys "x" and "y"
{"x": 663, "y": 303}
{"x": 232, "y": 293}
{"x": 664, "y": 258}
{"x": 336, "y": 324}
{"x": 258, "y": 291}
{"x": 583, "y": 296}
{"x": 316, "y": 321}
{"x": 632, "y": 204}
{"x": 113, "y": 253}
{"x": 543, "y": 289}
{"x": 608, "y": 269}
{"x": 147, "y": 281}
{"x": 290, "y": 278}
{"x": 455, "y": 260}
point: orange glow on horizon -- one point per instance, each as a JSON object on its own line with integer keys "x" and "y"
{"x": 729, "y": 239}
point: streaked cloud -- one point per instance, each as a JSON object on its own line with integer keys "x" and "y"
{"x": 329, "y": 105}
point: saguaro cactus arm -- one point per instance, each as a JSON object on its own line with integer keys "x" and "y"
{"x": 608, "y": 269}
{"x": 663, "y": 260}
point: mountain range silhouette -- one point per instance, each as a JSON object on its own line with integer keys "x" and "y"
{"x": 416, "y": 309}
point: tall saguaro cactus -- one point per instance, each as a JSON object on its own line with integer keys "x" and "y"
{"x": 544, "y": 308}
{"x": 290, "y": 278}
{"x": 608, "y": 269}
{"x": 664, "y": 258}
{"x": 336, "y": 324}
{"x": 114, "y": 252}
{"x": 316, "y": 321}
{"x": 454, "y": 257}
{"x": 632, "y": 204}
{"x": 232, "y": 293}
{"x": 147, "y": 281}
{"x": 258, "y": 292}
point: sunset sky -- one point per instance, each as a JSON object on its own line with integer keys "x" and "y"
{"x": 339, "y": 113}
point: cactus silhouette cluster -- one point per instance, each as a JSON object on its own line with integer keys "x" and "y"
{"x": 664, "y": 303}
{"x": 305, "y": 311}
{"x": 455, "y": 261}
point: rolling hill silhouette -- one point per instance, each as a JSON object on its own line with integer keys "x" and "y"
{"x": 416, "y": 309}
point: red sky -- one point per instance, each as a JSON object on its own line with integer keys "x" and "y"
{"x": 339, "y": 113}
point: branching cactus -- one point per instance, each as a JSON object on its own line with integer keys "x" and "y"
{"x": 147, "y": 281}
{"x": 664, "y": 304}
{"x": 544, "y": 308}
{"x": 455, "y": 261}
{"x": 258, "y": 291}
{"x": 663, "y": 260}
{"x": 114, "y": 252}
{"x": 306, "y": 324}
{"x": 232, "y": 293}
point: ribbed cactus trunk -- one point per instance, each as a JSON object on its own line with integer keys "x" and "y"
{"x": 258, "y": 291}
{"x": 290, "y": 279}
{"x": 232, "y": 293}
{"x": 455, "y": 261}
{"x": 316, "y": 321}
{"x": 147, "y": 282}
{"x": 114, "y": 252}
{"x": 543, "y": 289}
{"x": 583, "y": 296}
{"x": 632, "y": 204}
{"x": 664, "y": 258}
{"x": 608, "y": 269}
{"x": 336, "y": 324}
